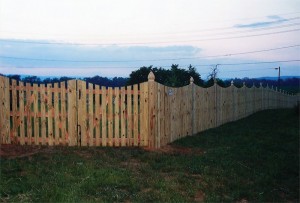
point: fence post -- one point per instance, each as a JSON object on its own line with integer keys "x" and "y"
{"x": 216, "y": 107}
{"x": 152, "y": 120}
{"x": 234, "y": 103}
{"x": 72, "y": 113}
{"x": 193, "y": 105}
{"x": 4, "y": 111}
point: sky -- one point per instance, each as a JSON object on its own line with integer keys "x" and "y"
{"x": 112, "y": 38}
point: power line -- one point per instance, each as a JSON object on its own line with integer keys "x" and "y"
{"x": 253, "y": 63}
{"x": 165, "y": 66}
{"x": 141, "y": 43}
{"x": 245, "y": 70}
{"x": 140, "y": 60}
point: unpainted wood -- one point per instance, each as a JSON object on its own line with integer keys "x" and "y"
{"x": 135, "y": 116}
{"x": 144, "y": 113}
{"x": 21, "y": 110}
{"x": 90, "y": 131}
{"x": 28, "y": 111}
{"x": 56, "y": 114}
{"x": 97, "y": 115}
{"x": 117, "y": 117}
{"x": 43, "y": 114}
{"x": 129, "y": 116}
{"x": 5, "y": 110}
{"x": 123, "y": 117}
{"x": 14, "y": 129}
{"x": 63, "y": 113}
{"x": 82, "y": 112}
{"x": 72, "y": 113}
{"x": 50, "y": 113}
{"x": 36, "y": 122}
{"x": 110, "y": 116}
{"x": 104, "y": 119}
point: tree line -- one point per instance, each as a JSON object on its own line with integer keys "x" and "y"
{"x": 173, "y": 77}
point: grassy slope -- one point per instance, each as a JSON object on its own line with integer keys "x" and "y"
{"x": 255, "y": 159}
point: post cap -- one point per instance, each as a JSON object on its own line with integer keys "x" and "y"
{"x": 231, "y": 82}
{"x": 151, "y": 76}
{"x": 191, "y": 80}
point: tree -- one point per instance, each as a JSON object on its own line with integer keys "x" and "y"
{"x": 15, "y": 77}
{"x": 214, "y": 73}
{"x": 139, "y": 76}
{"x": 32, "y": 79}
{"x": 174, "y": 77}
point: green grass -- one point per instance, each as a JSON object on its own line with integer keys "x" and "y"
{"x": 254, "y": 159}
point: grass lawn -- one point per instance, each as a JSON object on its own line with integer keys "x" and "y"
{"x": 254, "y": 159}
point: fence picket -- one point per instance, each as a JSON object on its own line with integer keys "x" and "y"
{"x": 63, "y": 117}
{"x": 90, "y": 131}
{"x": 43, "y": 114}
{"x": 135, "y": 116}
{"x": 110, "y": 116}
{"x": 72, "y": 113}
{"x": 36, "y": 122}
{"x": 5, "y": 110}
{"x": 97, "y": 115}
{"x": 50, "y": 114}
{"x": 117, "y": 117}
{"x": 14, "y": 129}
{"x": 129, "y": 116}
{"x": 21, "y": 110}
{"x": 104, "y": 120}
{"x": 56, "y": 114}
{"x": 28, "y": 110}
{"x": 123, "y": 117}
{"x": 82, "y": 113}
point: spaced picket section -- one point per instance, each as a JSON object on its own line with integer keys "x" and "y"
{"x": 77, "y": 113}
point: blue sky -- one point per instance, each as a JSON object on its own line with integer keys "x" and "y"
{"x": 113, "y": 38}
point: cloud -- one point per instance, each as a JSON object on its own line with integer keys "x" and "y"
{"x": 105, "y": 60}
{"x": 275, "y": 20}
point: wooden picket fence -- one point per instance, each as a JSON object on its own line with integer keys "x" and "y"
{"x": 149, "y": 114}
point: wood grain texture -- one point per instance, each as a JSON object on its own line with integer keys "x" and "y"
{"x": 104, "y": 119}
{"x": 50, "y": 113}
{"x": 147, "y": 114}
{"x": 72, "y": 113}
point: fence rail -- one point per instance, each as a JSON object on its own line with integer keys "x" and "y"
{"x": 147, "y": 114}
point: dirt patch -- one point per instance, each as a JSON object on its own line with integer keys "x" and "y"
{"x": 15, "y": 151}
{"x": 11, "y": 151}
{"x": 172, "y": 149}
{"x": 199, "y": 197}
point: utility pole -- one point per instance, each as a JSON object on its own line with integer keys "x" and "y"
{"x": 278, "y": 76}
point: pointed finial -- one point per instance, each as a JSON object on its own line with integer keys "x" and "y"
{"x": 260, "y": 84}
{"x": 231, "y": 82}
{"x": 244, "y": 84}
{"x": 191, "y": 80}
{"x": 151, "y": 76}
